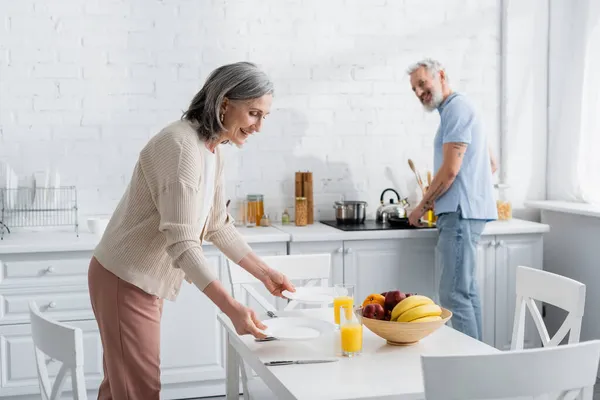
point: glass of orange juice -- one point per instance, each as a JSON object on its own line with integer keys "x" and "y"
{"x": 344, "y": 297}
{"x": 351, "y": 332}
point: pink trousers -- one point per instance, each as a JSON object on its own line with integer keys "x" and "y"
{"x": 129, "y": 323}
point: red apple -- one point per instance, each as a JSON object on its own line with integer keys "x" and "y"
{"x": 388, "y": 316}
{"x": 373, "y": 311}
{"x": 392, "y": 298}
{"x": 383, "y": 294}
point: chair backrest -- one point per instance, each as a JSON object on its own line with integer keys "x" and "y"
{"x": 312, "y": 269}
{"x": 61, "y": 343}
{"x": 537, "y": 285}
{"x": 547, "y": 373}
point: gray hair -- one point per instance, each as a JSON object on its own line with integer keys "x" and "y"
{"x": 238, "y": 81}
{"x": 432, "y": 66}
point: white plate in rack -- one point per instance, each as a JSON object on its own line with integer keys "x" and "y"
{"x": 311, "y": 295}
{"x": 297, "y": 328}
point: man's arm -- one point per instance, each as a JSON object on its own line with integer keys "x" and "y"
{"x": 453, "y": 157}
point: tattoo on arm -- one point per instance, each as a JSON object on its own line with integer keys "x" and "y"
{"x": 460, "y": 147}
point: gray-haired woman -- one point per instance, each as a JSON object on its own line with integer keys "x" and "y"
{"x": 153, "y": 241}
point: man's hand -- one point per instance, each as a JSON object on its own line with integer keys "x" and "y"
{"x": 276, "y": 282}
{"x": 415, "y": 216}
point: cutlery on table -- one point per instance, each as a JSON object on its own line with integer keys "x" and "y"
{"x": 290, "y": 362}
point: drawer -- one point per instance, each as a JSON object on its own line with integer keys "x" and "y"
{"x": 42, "y": 271}
{"x": 62, "y": 303}
{"x": 18, "y": 367}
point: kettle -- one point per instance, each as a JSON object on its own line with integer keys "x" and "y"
{"x": 398, "y": 210}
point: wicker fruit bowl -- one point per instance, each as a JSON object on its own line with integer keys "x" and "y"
{"x": 403, "y": 333}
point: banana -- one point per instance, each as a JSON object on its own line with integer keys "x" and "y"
{"x": 408, "y": 303}
{"x": 424, "y": 310}
{"x": 427, "y": 319}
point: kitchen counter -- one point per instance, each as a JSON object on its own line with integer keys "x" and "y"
{"x": 321, "y": 232}
{"x": 584, "y": 209}
{"x": 50, "y": 241}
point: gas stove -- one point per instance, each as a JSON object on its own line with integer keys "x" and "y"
{"x": 372, "y": 225}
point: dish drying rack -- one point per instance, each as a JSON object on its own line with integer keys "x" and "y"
{"x": 27, "y": 207}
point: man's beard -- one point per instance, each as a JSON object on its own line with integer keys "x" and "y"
{"x": 436, "y": 100}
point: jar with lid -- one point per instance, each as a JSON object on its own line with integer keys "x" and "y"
{"x": 255, "y": 209}
{"x": 503, "y": 203}
{"x": 301, "y": 211}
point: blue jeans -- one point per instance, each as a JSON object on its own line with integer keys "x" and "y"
{"x": 457, "y": 251}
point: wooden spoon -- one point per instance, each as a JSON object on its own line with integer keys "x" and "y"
{"x": 419, "y": 181}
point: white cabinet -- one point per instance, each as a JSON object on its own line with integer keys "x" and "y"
{"x": 376, "y": 266}
{"x": 18, "y": 369}
{"x": 497, "y": 259}
{"x": 192, "y": 345}
{"x": 512, "y": 251}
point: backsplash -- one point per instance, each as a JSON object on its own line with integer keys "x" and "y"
{"x": 84, "y": 84}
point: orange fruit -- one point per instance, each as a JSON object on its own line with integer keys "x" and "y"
{"x": 374, "y": 298}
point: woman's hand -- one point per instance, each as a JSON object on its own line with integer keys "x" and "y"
{"x": 276, "y": 282}
{"x": 245, "y": 321}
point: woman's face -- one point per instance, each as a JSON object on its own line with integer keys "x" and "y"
{"x": 243, "y": 118}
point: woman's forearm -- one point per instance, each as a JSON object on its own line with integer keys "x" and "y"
{"x": 254, "y": 265}
{"x": 222, "y": 299}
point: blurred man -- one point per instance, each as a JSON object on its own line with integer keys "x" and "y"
{"x": 461, "y": 192}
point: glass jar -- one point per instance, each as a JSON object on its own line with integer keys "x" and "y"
{"x": 255, "y": 209}
{"x": 503, "y": 204}
{"x": 301, "y": 211}
{"x": 285, "y": 217}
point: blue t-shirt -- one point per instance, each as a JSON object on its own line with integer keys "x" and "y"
{"x": 473, "y": 189}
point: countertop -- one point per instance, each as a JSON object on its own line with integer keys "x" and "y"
{"x": 43, "y": 241}
{"x": 321, "y": 232}
{"x": 51, "y": 241}
{"x": 588, "y": 210}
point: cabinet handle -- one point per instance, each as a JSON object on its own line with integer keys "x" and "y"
{"x": 340, "y": 250}
{"x": 348, "y": 251}
{"x": 501, "y": 243}
{"x": 52, "y": 305}
{"x": 492, "y": 243}
{"x": 50, "y": 269}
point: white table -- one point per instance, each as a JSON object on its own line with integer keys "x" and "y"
{"x": 380, "y": 372}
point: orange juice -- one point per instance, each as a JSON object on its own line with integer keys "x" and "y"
{"x": 351, "y": 337}
{"x": 342, "y": 301}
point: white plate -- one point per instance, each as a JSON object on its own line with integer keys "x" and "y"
{"x": 311, "y": 295}
{"x": 297, "y": 328}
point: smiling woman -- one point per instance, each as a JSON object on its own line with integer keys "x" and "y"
{"x": 232, "y": 103}
{"x": 174, "y": 201}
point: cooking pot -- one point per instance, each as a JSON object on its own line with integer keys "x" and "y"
{"x": 350, "y": 212}
{"x": 397, "y": 210}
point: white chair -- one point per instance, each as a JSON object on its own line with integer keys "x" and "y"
{"x": 536, "y": 285}
{"x": 61, "y": 343}
{"x": 310, "y": 269}
{"x": 541, "y": 373}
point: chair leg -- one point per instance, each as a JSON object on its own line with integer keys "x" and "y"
{"x": 78, "y": 384}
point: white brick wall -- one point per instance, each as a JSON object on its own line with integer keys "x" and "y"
{"x": 84, "y": 84}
